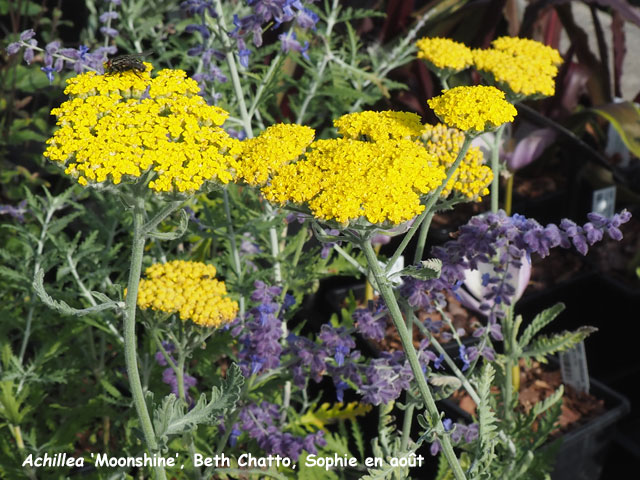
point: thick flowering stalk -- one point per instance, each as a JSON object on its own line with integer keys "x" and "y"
{"x": 139, "y": 136}
{"x": 384, "y": 287}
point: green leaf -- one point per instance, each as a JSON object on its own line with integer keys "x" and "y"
{"x": 427, "y": 270}
{"x": 540, "y": 321}
{"x": 544, "y": 346}
{"x": 486, "y": 416}
{"x": 63, "y": 307}
{"x": 625, "y": 118}
{"x": 170, "y": 417}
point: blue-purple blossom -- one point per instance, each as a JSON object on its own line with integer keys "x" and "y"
{"x": 289, "y": 42}
{"x": 337, "y": 342}
{"x": 27, "y": 35}
{"x": 371, "y": 325}
{"x": 109, "y": 32}
{"x": 262, "y": 423}
{"x": 16, "y": 212}
{"x": 259, "y": 335}
{"x": 49, "y": 72}
{"x": 198, "y": 7}
{"x": 106, "y": 16}
{"x": 29, "y": 52}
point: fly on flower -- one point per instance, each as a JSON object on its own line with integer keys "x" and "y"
{"x": 124, "y": 63}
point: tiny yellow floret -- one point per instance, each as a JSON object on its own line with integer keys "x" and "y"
{"x": 189, "y": 289}
{"x": 473, "y": 109}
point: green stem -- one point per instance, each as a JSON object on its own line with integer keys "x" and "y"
{"x": 410, "y": 407}
{"x": 430, "y": 203}
{"x": 130, "y": 355}
{"x": 235, "y": 254}
{"x": 422, "y": 238}
{"x": 320, "y": 67}
{"x": 433, "y": 416}
{"x": 450, "y": 363}
{"x": 495, "y": 167}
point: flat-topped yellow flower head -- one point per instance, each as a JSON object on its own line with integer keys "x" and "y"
{"x": 519, "y": 66}
{"x": 123, "y": 126}
{"x": 276, "y": 146}
{"x": 189, "y": 289}
{"x": 444, "y": 54}
{"x": 379, "y": 126}
{"x": 473, "y": 109}
{"x": 472, "y": 176}
{"x": 525, "y": 47}
{"x": 377, "y": 173}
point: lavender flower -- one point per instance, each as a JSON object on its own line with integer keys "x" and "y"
{"x": 260, "y": 334}
{"x": 262, "y": 423}
{"x": 370, "y": 324}
{"x": 16, "y": 212}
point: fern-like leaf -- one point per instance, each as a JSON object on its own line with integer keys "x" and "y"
{"x": 540, "y": 321}
{"x": 326, "y": 413}
{"x": 544, "y": 346}
{"x": 170, "y": 417}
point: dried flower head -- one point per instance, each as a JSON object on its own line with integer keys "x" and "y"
{"x": 187, "y": 288}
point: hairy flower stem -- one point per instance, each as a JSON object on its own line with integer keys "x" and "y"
{"x": 408, "y": 412}
{"x": 433, "y": 416}
{"x": 130, "y": 355}
{"x": 422, "y": 237}
{"x": 495, "y": 168}
{"x": 450, "y": 363}
{"x": 428, "y": 208}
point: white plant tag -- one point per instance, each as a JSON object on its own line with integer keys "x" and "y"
{"x": 395, "y": 268}
{"x": 573, "y": 365}
{"x": 603, "y": 201}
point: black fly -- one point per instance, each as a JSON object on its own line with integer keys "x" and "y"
{"x": 125, "y": 63}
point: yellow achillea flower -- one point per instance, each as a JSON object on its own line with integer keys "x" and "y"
{"x": 444, "y": 53}
{"x": 519, "y": 65}
{"x": 476, "y": 108}
{"x": 346, "y": 179}
{"x": 123, "y": 125}
{"x": 378, "y": 126}
{"x": 276, "y": 146}
{"x": 187, "y": 288}
{"x": 525, "y": 47}
{"x": 472, "y": 177}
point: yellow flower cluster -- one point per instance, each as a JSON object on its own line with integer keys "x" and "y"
{"x": 472, "y": 177}
{"x": 476, "y": 108}
{"x": 444, "y": 53}
{"x": 525, "y": 47}
{"x": 190, "y": 289}
{"x": 346, "y": 179}
{"x": 379, "y": 126}
{"x": 122, "y": 125}
{"x": 519, "y": 65}
{"x": 276, "y": 146}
